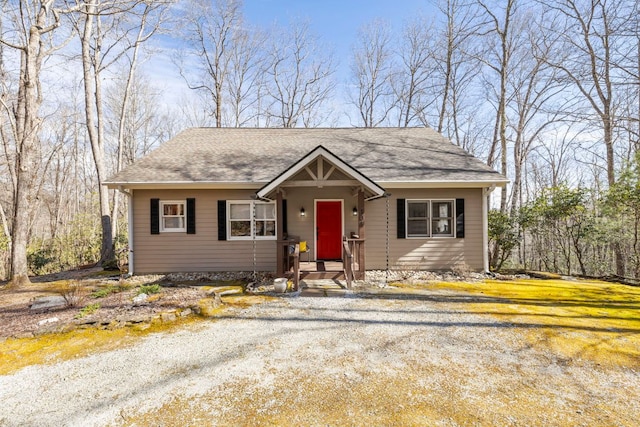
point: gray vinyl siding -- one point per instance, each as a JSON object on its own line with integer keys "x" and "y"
{"x": 181, "y": 252}
{"x": 423, "y": 253}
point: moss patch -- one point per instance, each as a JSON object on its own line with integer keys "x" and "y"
{"x": 579, "y": 320}
{"x": 17, "y": 353}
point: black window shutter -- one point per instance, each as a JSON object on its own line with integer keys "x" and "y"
{"x": 459, "y": 218}
{"x": 191, "y": 216}
{"x": 155, "y": 216}
{"x": 222, "y": 220}
{"x": 284, "y": 216}
{"x": 402, "y": 233}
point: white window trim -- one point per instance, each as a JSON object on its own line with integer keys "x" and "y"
{"x": 430, "y": 219}
{"x": 251, "y": 204}
{"x": 184, "y": 222}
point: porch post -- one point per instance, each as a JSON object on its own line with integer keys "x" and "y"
{"x": 280, "y": 235}
{"x": 361, "y": 232}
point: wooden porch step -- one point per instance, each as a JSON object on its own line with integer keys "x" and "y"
{"x": 314, "y": 275}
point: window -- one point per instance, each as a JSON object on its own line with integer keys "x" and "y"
{"x": 172, "y": 216}
{"x": 442, "y": 218}
{"x": 418, "y": 218}
{"x": 265, "y": 219}
{"x": 430, "y": 218}
{"x": 239, "y": 219}
{"x": 248, "y": 219}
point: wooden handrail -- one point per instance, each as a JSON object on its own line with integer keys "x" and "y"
{"x": 356, "y": 248}
{"x": 347, "y": 263}
{"x": 296, "y": 267}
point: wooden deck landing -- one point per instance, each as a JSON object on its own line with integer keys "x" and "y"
{"x": 321, "y": 270}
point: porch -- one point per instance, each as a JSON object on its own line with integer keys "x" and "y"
{"x": 348, "y": 269}
{"x": 319, "y": 201}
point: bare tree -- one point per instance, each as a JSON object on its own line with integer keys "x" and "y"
{"x": 414, "y": 76}
{"x": 589, "y": 32}
{"x": 535, "y": 105}
{"x": 245, "y": 78}
{"x": 456, "y": 68}
{"x": 498, "y": 59}
{"x": 33, "y": 21}
{"x": 104, "y": 30}
{"x": 298, "y": 77}
{"x": 152, "y": 11}
{"x": 372, "y": 72}
{"x": 211, "y": 29}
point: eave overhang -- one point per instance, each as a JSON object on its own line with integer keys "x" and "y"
{"x": 184, "y": 185}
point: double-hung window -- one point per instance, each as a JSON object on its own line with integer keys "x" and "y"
{"x": 249, "y": 219}
{"x": 430, "y": 218}
{"x": 172, "y": 216}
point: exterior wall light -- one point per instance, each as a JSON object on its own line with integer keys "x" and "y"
{"x": 355, "y": 211}
{"x": 302, "y": 212}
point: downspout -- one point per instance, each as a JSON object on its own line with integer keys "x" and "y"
{"x": 129, "y": 195}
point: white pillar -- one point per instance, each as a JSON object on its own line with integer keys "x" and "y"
{"x": 130, "y": 228}
{"x": 485, "y": 229}
{"x": 485, "y": 226}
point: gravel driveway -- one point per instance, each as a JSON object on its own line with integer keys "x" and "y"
{"x": 354, "y": 361}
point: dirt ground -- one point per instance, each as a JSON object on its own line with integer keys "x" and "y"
{"x": 18, "y": 319}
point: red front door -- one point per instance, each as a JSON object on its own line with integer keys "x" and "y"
{"x": 329, "y": 229}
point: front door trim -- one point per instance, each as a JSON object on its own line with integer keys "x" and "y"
{"x": 315, "y": 221}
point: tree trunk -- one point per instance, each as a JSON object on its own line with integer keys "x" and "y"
{"x": 27, "y": 124}
{"x": 94, "y": 130}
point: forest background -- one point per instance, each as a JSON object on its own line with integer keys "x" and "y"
{"x": 545, "y": 91}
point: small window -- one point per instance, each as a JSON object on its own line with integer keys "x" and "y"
{"x": 172, "y": 216}
{"x": 247, "y": 219}
{"x": 418, "y": 218}
{"x": 442, "y": 218}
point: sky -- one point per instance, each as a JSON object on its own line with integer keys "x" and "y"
{"x": 335, "y": 22}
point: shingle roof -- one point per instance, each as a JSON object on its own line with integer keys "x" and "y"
{"x": 250, "y": 155}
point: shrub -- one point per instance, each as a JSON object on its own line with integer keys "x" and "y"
{"x": 149, "y": 289}
{"x": 104, "y": 292}
{"x": 73, "y": 292}
{"x": 88, "y": 309}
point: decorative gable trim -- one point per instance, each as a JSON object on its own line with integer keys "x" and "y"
{"x": 317, "y": 153}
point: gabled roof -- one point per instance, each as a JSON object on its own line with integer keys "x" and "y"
{"x": 252, "y": 158}
{"x": 320, "y": 152}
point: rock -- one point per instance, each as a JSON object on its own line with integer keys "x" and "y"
{"x": 214, "y": 294}
{"x": 168, "y": 317}
{"x": 140, "y": 299}
{"x": 208, "y": 306}
{"x": 49, "y": 320}
{"x": 49, "y": 302}
{"x": 186, "y": 312}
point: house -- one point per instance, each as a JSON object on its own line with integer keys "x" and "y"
{"x": 229, "y": 199}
